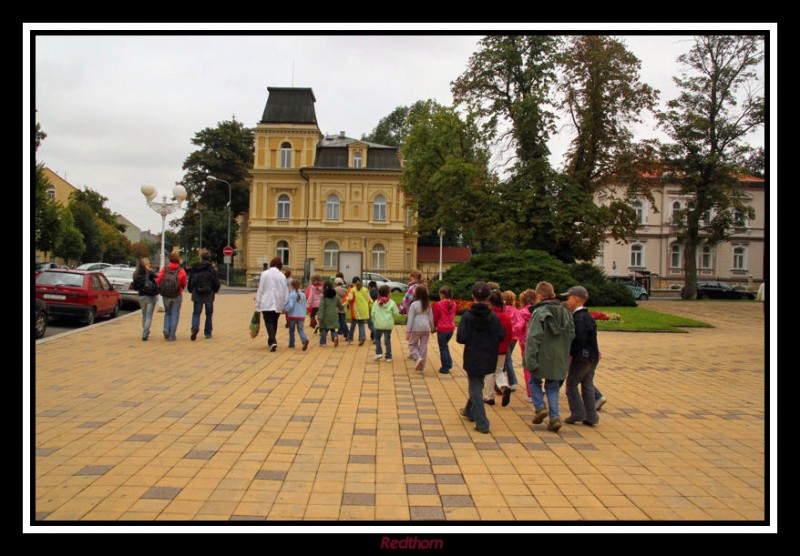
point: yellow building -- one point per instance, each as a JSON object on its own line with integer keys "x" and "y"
{"x": 59, "y": 191}
{"x": 334, "y": 200}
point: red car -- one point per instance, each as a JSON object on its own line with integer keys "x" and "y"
{"x": 77, "y": 293}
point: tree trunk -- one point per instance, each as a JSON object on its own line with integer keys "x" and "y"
{"x": 690, "y": 263}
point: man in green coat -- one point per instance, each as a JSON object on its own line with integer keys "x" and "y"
{"x": 550, "y": 333}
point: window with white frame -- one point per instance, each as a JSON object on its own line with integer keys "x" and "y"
{"x": 740, "y": 258}
{"x": 332, "y": 207}
{"x": 51, "y": 194}
{"x": 601, "y": 255}
{"x": 705, "y": 219}
{"x": 638, "y": 207}
{"x": 379, "y": 209}
{"x": 378, "y": 257}
{"x": 286, "y": 155}
{"x": 409, "y": 217}
{"x": 357, "y": 159}
{"x": 284, "y": 207}
{"x": 676, "y": 206}
{"x": 637, "y": 255}
{"x": 705, "y": 257}
{"x": 675, "y": 255}
{"x": 408, "y": 258}
{"x": 283, "y": 251}
{"x": 739, "y": 219}
{"x": 330, "y": 255}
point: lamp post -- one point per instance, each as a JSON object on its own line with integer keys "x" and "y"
{"x": 212, "y": 178}
{"x": 441, "y": 233}
{"x": 163, "y": 208}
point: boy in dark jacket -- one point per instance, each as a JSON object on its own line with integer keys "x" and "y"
{"x": 481, "y": 332}
{"x": 203, "y": 284}
{"x": 585, "y": 354}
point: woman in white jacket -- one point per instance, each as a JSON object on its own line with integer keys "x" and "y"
{"x": 271, "y": 297}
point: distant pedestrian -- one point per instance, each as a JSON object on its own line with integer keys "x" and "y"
{"x": 761, "y": 295}
{"x": 359, "y": 300}
{"x": 384, "y": 311}
{"x": 144, "y": 281}
{"x": 295, "y": 309}
{"x": 481, "y": 332}
{"x": 584, "y": 356}
{"x": 547, "y": 346}
{"x": 171, "y": 282}
{"x": 444, "y": 317}
{"x": 313, "y": 297}
{"x": 419, "y": 325}
{"x": 372, "y": 288}
{"x": 499, "y": 379}
{"x": 271, "y": 298}
{"x": 203, "y": 285}
{"x": 328, "y": 315}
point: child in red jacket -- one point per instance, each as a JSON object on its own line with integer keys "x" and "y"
{"x": 499, "y": 378}
{"x": 444, "y": 317}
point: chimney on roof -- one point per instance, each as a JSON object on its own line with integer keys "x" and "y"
{"x": 341, "y": 134}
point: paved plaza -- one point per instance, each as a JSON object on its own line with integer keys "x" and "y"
{"x": 222, "y": 429}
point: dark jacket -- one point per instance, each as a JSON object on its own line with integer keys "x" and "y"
{"x": 481, "y": 332}
{"x": 195, "y": 271}
{"x": 584, "y": 346}
{"x": 140, "y": 279}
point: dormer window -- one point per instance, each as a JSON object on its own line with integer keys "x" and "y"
{"x": 357, "y": 159}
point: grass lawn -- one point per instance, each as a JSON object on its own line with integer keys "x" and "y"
{"x": 636, "y": 319}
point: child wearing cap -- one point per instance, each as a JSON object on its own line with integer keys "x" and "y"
{"x": 584, "y": 356}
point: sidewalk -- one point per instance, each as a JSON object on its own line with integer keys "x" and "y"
{"x": 222, "y": 429}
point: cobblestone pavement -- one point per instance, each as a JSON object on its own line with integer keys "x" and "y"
{"x": 222, "y": 429}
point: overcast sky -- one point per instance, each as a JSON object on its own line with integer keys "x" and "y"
{"x": 120, "y": 111}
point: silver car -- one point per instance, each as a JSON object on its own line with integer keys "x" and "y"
{"x": 368, "y": 277}
{"x": 121, "y": 279}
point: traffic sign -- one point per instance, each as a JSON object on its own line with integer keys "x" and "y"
{"x": 227, "y": 251}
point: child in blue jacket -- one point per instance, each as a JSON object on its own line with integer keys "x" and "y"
{"x": 295, "y": 310}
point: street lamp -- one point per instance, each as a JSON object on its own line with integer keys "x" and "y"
{"x": 212, "y": 178}
{"x": 163, "y": 208}
{"x": 441, "y": 233}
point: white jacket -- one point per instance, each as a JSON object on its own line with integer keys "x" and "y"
{"x": 272, "y": 291}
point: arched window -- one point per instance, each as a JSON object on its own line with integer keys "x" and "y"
{"x": 283, "y": 251}
{"x": 284, "y": 207}
{"x": 332, "y": 207}
{"x": 675, "y": 256}
{"x": 330, "y": 253}
{"x": 286, "y": 155}
{"x": 357, "y": 160}
{"x": 379, "y": 209}
{"x": 378, "y": 257}
{"x": 740, "y": 258}
{"x": 637, "y": 255}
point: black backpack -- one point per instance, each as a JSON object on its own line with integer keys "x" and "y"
{"x": 202, "y": 283}
{"x": 169, "y": 286}
{"x": 148, "y": 287}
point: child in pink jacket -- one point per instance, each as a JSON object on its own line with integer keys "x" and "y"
{"x": 313, "y": 297}
{"x": 528, "y": 299}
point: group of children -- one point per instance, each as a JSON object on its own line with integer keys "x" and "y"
{"x": 558, "y": 341}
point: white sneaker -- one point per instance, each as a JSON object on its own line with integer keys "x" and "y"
{"x": 420, "y": 364}
{"x": 528, "y": 399}
{"x": 600, "y": 403}
{"x": 378, "y": 356}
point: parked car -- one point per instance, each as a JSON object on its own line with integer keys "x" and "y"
{"x": 368, "y": 277}
{"x": 121, "y": 279}
{"x": 719, "y": 290}
{"x": 78, "y": 294}
{"x": 93, "y": 266}
{"x": 40, "y": 318}
{"x": 637, "y": 289}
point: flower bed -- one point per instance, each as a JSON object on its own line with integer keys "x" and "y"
{"x": 611, "y": 317}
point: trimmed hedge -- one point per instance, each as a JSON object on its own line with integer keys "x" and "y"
{"x": 518, "y": 270}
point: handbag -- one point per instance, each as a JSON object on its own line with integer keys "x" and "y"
{"x": 255, "y": 324}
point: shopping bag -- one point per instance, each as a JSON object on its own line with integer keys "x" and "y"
{"x": 255, "y": 324}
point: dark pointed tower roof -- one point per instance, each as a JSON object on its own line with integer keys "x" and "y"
{"x": 289, "y": 105}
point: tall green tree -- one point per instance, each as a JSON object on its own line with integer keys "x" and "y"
{"x": 393, "y": 129}
{"x": 87, "y": 224}
{"x": 447, "y": 173}
{"x": 707, "y": 123}
{"x": 225, "y": 152}
{"x": 69, "y": 245}
{"x": 45, "y": 213}
{"x": 115, "y": 246}
{"x": 97, "y": 204}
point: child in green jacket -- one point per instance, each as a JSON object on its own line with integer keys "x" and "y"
{"x": 384, "y": 310}
{"x": 328, "y": 314}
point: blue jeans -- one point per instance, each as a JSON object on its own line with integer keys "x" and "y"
{"x": 371, "y": 327}
{"x": 476, "y": 410}
{"x": 343, "y": 325}
{"x": 148, "y": 304}
{"x": 172, "y": 312}
{"x": 551, "y": 388}
{"x": 361, "y": 334}
{"x": 296, "y": 325}
{"x": 444, "y": 350}
{"x": 208, "y": 303}
{"x": 508, "y": 367}
{"x": 387, "y": 334}
{"x": 323, "y": 335}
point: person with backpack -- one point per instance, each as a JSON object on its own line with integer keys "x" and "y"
{"x": 203, "y": 285}
{"x": 171, "y": 282}
{"x": 144, "y": 281}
